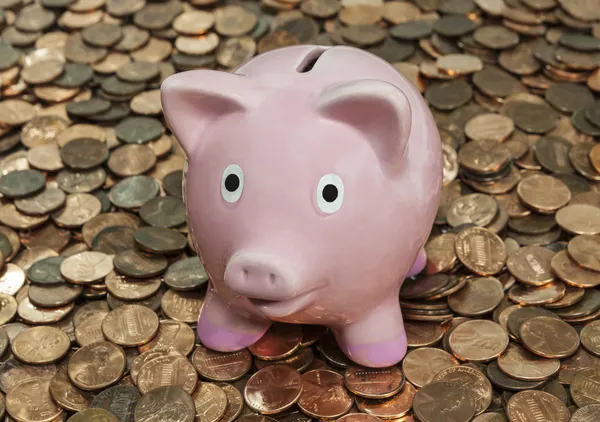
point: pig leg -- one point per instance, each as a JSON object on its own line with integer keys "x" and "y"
{"x": 378, "y": 340}
{"x": 419, "y": 264}
{"x": 221, "y": 329}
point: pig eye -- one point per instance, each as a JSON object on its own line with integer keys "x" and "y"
{"x": 330, "y": 193}
{"x": 232, "y": 183}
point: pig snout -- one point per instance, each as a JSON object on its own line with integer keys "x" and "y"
{"x": 258, "y": 276}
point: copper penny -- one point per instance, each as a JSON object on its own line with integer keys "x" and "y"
{"x": 590, "y": 337}
{"x": 40, "y": 345}
{"x": 420, "y": 334}
{"x": 170, "y": 370}
{"x": 489, "y": 126}
{"x": 131, "y": 289}
{"x": 540, "y": 295}
{"x": 549, "y": 337}
{"x": 531, "y": 265}
{"x": 480, "y": 250}
{"x": 391, "y": 408}
{"x": 479, "y": 297}
{"x": 473, "y": 380}
{"x": 30, "y": 400}
{"x": 583, "y": 387}
{"x": 483, "y": 156}
{"x": 532, "y": 405}
{"x": 571, "y": 273}
{"x": 182, "y": 306}
{"x": 323, "y": 394}
{"x": 585, "y": 250}
{"x": 274, "y": 389}
{"x": 37, "y": 315}
{"x": 221, "y": 366}
{"x": 421, "y": 365}
{"x": 571, "y": 366}
{"x": 210, "y": 401}
{"x": 478, "y": 341}
{"x": 96, "y": 366}
{"x": 476, "y": 208}
{"x": 279, "y": 341}
{"x": 165, "y": 404}
{"x": 67, "y": 395}
{"x": 579, "y": 219}
{"x": 172, "y": 333}
{"x": 543, "y": 193}
{"x": 589, "y": 413}
{"x": 235, "y": 402}
{"x": 440, "y": 252}
{"x": 8, "y": 308}
{"x": 300, "y": 360}
{"x": 373, "y": 383}
{"x": 130, "y": 325}
{"x": 440, "y": 401}
{"x": 86, "y": 267}
{"x": 519, "y": 363}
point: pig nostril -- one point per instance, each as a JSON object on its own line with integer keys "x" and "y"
{"x": 272, "y": 278}
{"x": 245, "y": 272}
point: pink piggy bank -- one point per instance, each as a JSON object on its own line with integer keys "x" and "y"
{"x": 313, "y": 177}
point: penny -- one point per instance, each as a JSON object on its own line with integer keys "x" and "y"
{"x": 119, "y": 400}
{"x": 590, "y": 337}
{"x": 96, "y": 366}
{"x": 33, "y": 314}
{"x": 479, "y": 296}
{"x": 449, "y": 95}
{"x": 131, "y": 160}
{"x": 182, "y": 306}
{"x": 160, "y": 240}
{"x": 93, "y": 414}
{"x": 167, "y": 403}
{"x": 131, "y": 289}
{"x": 583, "y": 387}
{"x": 478, "y": 341}
{"x": 419, "y": 334}
{"x": 21, "y": 183}
{"x": 394, "y": 407}
{"x": 86, "y": 267}
{"x": 16, "y": 112}
{"x": 45, "y": 202}
{"x": 79, "y": 208}
{"x": 586, "y": 413}
{"x": 555, "y": 193}
{"x": 423, "y": 287}
{"x": 371, "y": 383}
{"x": 170, "y": 370}
{"x": 531, "y": 265}
{"x": 587, "y": 306}
{"x": 279, "y": 341}
{"x": 519, "y": 363}
{"x": 472, "y": 380}
{"x": 470, "y": 244}
{"x": 421, "y": 365}
{"x": 536, "y": 404}
{"x": 549, "y": 337}
{"x": 582, "y": 249}
{"x": 148, "y": 355}
{"x": 13, "y": 372}
{"x": 52, "y": 296}
{"x": 172, "y": 333}
{"x": 568, "y": 271}
{"x": 221, "y": 366}
{"x": 541, "y": 295}
{"x": 130, "y": 325}
{"x": 489, "y": 127}
{"x": 281, "y": 392}
{"x": 483, "y": 156}
{"x": 67, "y": 395}
{"x": 12, "y": 279}
{"x": 452, "y": 401}
{"x": 136, "y": 264}
{"x": 30, "y": 400}
{"x": 210, "y": 401}
{"x": 40, "y": 345}
{"x": 579, "y": 219}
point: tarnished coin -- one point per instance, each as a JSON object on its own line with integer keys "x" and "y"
{"x": 170, "y": 370}
{"x": 19, "y": 183}
{"x": 442, "y": 400}
{"x": 45, "y": 202}
{"x": 221, "y": 366}
{"x": 160, "y": 240}
{"x": 478, "y": 341}
{"x": 12, "y": 279}
{"x": 93, "y": 414}
{"x": 119, "y": 400}
{"x": 373, "y": 383}
{"x": 531, "y": 265}
{"x": 40, "y": 345}
{"x": 86, "y": 267}
{"x": 33, "y": 314}
{"x": 421, "y": 365}
{"x": 471, "y": 379}
{"x": 279, "y": 341}
{"x": 30, "y": 400}
{"x": 549, "y": 337}
{"x": 536, "y": 404}
{"x": 136, "y": 264}
{"x": 187, "y": 274}
{"x": 274, "y": 389}
{"x": 8, "y": 308}
{"x": 210, "y": 401}
{"x": 130, "y": 325}
{"x": 56, "y": 295}
{"x": 169, "y": 403}
{"x": 476, "y": 208}
{"x": 480, "y": 250}
{"x": 79, "y": 208}
{"x": 96, "y": 366}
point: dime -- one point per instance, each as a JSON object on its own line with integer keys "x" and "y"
{"x": 372, "y": 383}
{"x": 40, "y": 345}
{"x": 221, "y": 366}
{"x": 282, "y": 390}
{"x": 130, "y": 325}
{"x": 536, "y": 404}
{"x": 472, "y": 380}
{"x": 168, "y": 403}
{"x": 96, "y": 366}
{"x": 549, "y": 337}
{"x": 170, "y": 370}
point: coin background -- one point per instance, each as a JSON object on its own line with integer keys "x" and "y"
{"x": 92, "y": 218}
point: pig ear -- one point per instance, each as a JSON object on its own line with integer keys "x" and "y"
{"x": 378, "y": 109}
{"x": 191, "y": 100}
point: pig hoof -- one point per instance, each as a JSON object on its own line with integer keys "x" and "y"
{"x": 224, "y": 331}
{"x": 419, "y": 264}
{"x": 377, "y": 355}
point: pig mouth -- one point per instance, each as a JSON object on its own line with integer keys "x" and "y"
{"x": 286, "y": 307}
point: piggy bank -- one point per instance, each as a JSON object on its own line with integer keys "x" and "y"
{"x": 312, "y": 180}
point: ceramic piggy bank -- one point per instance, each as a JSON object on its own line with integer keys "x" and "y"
{"x": 313, "y": 177}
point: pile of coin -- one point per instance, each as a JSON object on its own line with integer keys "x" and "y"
{"x": 100, "y": 285}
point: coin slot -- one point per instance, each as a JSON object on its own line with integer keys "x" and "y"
{"x": 310, "y": 60}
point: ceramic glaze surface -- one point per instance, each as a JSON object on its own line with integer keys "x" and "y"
{"x": 313, "y": 177}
